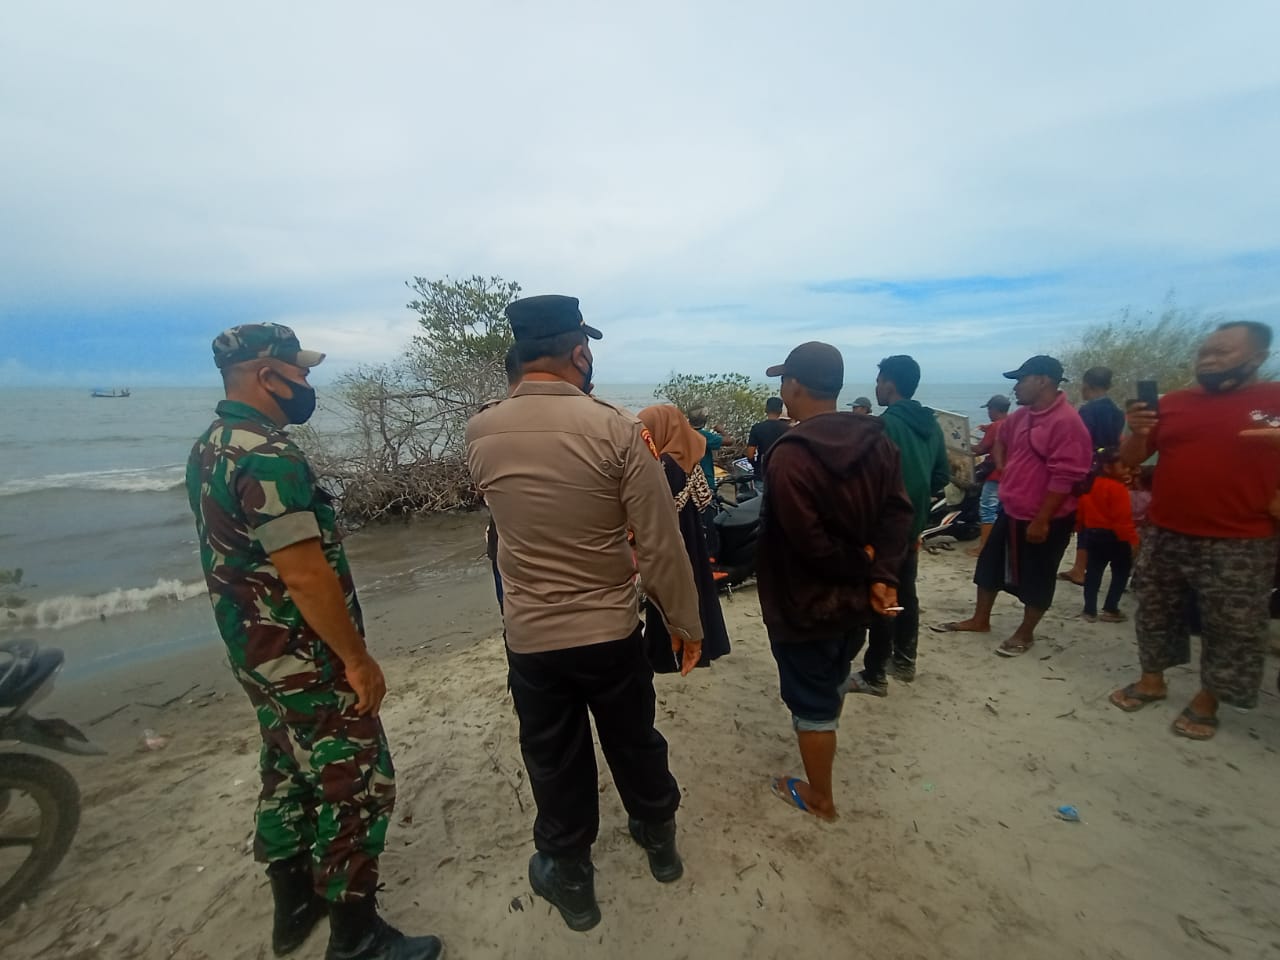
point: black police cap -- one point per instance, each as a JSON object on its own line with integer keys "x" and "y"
{"x": 536, "y": 318}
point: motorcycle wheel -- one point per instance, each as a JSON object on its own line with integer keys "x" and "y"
{"x": 42, "y": 813}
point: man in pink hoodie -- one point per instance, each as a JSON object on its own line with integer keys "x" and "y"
{"x": 1046, "y": 454}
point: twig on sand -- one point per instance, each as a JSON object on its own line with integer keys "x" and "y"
{"x": 1069, "y": 713}
{"x": 108, "y": 715}
{"x": 1197, "y": 932}
{"x": 515, "y": 787}
{"x": 171, "y": 700}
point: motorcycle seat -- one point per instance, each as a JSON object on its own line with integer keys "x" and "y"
{"x": 745, "y": 515}
{"x": 23, "y": 670}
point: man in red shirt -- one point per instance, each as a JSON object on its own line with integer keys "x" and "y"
{"x": 1213, "y": 536}
{"x": 989, "y": 504}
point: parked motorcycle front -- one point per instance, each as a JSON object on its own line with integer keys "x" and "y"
{"x": 39, "y": 800}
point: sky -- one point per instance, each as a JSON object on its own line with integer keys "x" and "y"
{"x": 968, "y": 182}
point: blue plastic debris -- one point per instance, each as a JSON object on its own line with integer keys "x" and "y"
{"x": 1070, "y": 814}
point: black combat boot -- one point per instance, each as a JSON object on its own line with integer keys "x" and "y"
{"x": 298, "y": 906}
{"x": 356, "y": 932}
{"x": 570, "y": 885}
{"x": 659, "y": 841}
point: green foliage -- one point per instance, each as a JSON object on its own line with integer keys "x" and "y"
{"x": 1147, "y": 346}
{"x": 733, "y": 400}
{"x": 465, "y": 336}
{"x": 402, "y": 446}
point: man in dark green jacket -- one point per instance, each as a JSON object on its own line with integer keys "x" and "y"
{"x": 925, "y": 471}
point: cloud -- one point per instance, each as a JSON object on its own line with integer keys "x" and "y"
{"x": 921, "y": 290}
{"x": 864, "y": 170}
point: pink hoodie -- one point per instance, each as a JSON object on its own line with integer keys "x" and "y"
{"x": 1046, "y": 451}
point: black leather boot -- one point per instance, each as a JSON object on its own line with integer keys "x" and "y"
{"x": 659, "y": 841}
{"x": 298, "y": 907}
{"x": 356, "y": 932}
{"x": 570, "y": 885}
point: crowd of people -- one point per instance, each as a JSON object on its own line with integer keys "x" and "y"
{"x": 603, "y": 572}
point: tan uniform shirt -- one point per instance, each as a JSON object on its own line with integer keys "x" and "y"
{"x": 565, "y": 476}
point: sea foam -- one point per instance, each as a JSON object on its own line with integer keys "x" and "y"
{"x": 65, "y": 611}
{"x": 145, "y": 480}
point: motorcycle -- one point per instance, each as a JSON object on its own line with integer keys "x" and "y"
{"x": 957, "y": 516}
{"x": 39, "y": 800}
{"x": 737, "y": 528}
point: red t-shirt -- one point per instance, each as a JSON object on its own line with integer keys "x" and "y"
{"x": 987, "y": 445}
{"x": 1209, "y": 481}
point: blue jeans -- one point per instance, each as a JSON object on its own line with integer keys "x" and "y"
{"x": 989, "y": 504}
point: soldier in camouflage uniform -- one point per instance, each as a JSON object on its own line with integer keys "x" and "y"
{"x": 286, "y": 607}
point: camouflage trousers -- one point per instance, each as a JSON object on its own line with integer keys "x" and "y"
{"x": 1231, "y": 580}
{"x": 328, "y": 784}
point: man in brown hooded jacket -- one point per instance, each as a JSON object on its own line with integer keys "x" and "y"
{"x": 836, "y": 530}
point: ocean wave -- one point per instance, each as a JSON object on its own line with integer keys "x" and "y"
{"x": 66, "y": 611}
{"x": 143, "y": 480}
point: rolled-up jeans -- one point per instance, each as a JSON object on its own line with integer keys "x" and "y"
{"x": 989, "y": 503}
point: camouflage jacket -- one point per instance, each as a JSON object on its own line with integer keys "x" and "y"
{"x": 253, "y": 493}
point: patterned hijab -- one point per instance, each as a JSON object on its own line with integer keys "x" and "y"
{"x": 672, "y": 435}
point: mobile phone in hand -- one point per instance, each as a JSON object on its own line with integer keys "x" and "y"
{"x": 1149, "y": 394}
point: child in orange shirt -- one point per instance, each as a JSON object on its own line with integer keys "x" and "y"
{"x": 1106, "y": 522}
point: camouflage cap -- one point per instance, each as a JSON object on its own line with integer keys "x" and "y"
{"x": 254, "y": 341}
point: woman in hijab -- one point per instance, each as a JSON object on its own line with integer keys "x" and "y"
{"x": 680, "y": 449}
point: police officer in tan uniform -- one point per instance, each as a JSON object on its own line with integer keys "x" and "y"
{"x": 566, "y": 476}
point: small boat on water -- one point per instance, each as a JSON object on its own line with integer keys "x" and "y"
{"x": 107, "y": 394}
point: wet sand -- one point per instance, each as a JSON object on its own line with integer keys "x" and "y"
{"x": 948, "y": 845}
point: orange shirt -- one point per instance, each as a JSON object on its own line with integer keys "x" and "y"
{"x": 1107, "y": 506}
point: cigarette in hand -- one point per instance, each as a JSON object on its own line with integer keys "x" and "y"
{"x": 894, "y": 609}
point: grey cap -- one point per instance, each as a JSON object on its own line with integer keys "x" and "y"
{"x": 998, "y": 402}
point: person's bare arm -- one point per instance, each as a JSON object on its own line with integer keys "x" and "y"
{"x": 315, "y": 588}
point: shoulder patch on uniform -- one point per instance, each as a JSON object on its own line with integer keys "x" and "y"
{"x": 648, "y": 439}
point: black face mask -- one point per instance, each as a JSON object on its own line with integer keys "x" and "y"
{"x": 299, "y": 407}
{"x": 586, "y": 377}
{"x": 1224, "y": 381}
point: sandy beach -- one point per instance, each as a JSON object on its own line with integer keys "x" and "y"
{"x": 948, "y": 844}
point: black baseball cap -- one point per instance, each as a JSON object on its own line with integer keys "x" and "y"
{"x": 818, "y": 366}
{"x": 536, "y": 318}
{"x": 1039, "y": 366}
{"x": 998, "y": 402}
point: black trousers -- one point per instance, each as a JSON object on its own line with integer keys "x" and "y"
{"x": 897, "y": 636}
{"x": 1105, "y": 550}
{"x": 553, "y": 692}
